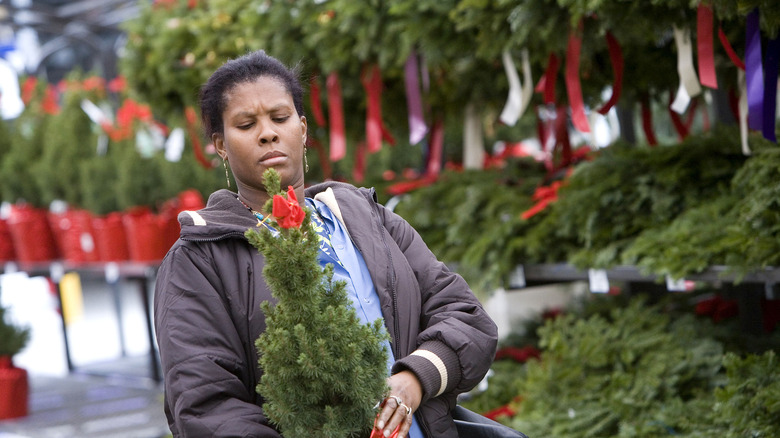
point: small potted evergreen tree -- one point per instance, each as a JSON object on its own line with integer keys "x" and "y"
{"x": 14, "y": 389}
{"x": 323, "y": 370}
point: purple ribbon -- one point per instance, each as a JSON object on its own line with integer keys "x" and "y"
{"x": 417, "y": 126}
{"x": 754, "y": 72}
{"x": 772, "y": 68}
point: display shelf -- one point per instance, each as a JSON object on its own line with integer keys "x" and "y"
{"x": 566, "y": 272}
{"x": 750, "y": 290}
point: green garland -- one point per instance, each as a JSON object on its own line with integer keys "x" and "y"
{"x": 627, "y": 374}
{"x": 483, "y": 237}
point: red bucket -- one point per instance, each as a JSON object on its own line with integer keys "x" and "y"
{"x": 110, "y": 238}
{"x": 31, "y": 234}
{"x": 73, "y": 230}
{"x": 144, "y": 236}
{"x": 7, "y": 252}
{"x": 14, "y": 390}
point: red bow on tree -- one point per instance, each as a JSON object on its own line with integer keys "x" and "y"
{"x": 287, "y": 212}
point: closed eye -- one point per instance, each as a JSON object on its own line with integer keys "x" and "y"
{"x": 245, "y": 126}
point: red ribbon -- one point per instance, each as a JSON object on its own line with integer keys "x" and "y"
{"x": 616, "y": 58}
{"x": 705, "y": 48}
{"x": 433, "y": 166}
{"x": 562, "y": 138}
{"x": 546, "y": 84}
{"x": 321, "y": 154}
{"x": 730, "y": 50}
{"x": 316, "y": 102}
{"x": 372, "y": 83}
{"x": 573, "y": 86}
{"x": 647, "y": 122}
{"x": 359, "y": 168}
{"x": 338, "y": 140}
{"x": 192, "y": 118}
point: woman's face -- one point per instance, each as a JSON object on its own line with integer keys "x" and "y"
{"x": 262, "y": 130}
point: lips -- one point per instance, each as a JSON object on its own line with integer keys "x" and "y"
{"x": 272, "y": 155}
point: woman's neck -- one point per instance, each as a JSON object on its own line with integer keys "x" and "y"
{"x": 255, "y": 200}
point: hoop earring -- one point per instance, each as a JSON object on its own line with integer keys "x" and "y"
{"x": 227, "y": 177}
{"x": 305, "y": 161}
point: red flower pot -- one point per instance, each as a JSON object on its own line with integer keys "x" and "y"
{"x": 73, "y": 232}
{"x": 31, "y": 234}
{"x": 7, "y": 252}
{"x": 110, "y": 238}
{"x": 169, "y": 215}
{"x": 144, "y": 235}
{"x": 14, "y": 390}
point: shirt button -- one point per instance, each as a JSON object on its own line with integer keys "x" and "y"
{"x": 339, "y": 247}
{"x": 367, "y": 300}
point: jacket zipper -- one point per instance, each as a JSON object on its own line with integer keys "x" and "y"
{"x": 212, "y": 239}
{"x": 391, "y": 277}
{"x": 420, "y": 419}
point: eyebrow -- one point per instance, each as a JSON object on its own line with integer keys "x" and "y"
{"x": 275, "y": 108}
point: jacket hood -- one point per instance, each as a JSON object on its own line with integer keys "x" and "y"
{"x": 223, "y": 216}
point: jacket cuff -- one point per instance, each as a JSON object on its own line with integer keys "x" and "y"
{"x": 436, "y": 366}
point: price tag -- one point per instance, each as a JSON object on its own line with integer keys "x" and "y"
{"x": 599, "y": 283}
{"x": 517, "y": 278}
{"x": 673, "y": 285}
{"x": 112, "y": 273}
{"x": 56, "y": 271}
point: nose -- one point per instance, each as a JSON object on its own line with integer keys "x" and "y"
{"x": 268, "y": 134}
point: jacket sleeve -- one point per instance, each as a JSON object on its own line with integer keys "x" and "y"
{"x": 458, "y": 339}
{"x": 201, "y": 354}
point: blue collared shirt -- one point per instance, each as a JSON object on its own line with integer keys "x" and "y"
{"x": 337, "y": 248}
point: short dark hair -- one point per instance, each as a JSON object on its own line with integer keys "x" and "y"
{"x": 213, "y": 94}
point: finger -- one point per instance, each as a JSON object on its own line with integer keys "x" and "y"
{"x": 389, "y": 406}
{"x": 405, "y": 426}
{"x": 398, "y": 418}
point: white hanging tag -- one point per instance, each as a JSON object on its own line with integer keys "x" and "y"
{"x": 599, "y": 283}
{"x": 673, "y": 285}
{"x": 174, "y": 146}
{"x": 681, "y": 100}
{"x": 517, "y": 278}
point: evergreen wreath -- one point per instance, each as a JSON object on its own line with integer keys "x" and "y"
{"x": 323, "y": 371}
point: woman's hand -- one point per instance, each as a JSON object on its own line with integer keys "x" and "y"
{"x": 403, "y": 400}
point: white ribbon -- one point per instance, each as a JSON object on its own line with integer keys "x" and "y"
{"x": 94, "y": 112}
{"x": 473, "y": 145}
{"x": 519, "y": 93}
{"x": 743, "y": 111}
{"x": 174, "y": 145}
{"x": 689, "y": 80}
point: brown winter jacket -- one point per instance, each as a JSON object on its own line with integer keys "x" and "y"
{"x": 207, "y": 315}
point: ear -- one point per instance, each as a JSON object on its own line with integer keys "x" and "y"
{"x": 219, "y": 145}
{"x": 304, "y": 128}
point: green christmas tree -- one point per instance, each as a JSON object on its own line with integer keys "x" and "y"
{"x": 323, "y": 371}
{"x": 12, "y": 338}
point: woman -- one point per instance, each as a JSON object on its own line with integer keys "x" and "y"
{"x": 210, "y": 285}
